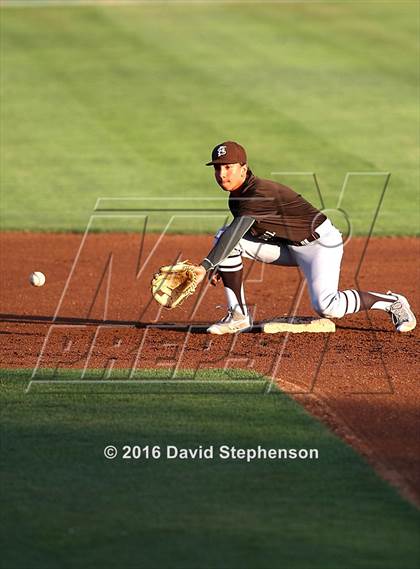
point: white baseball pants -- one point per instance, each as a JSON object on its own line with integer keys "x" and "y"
{"x": 320, "y": 262}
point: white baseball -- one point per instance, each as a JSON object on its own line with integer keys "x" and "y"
{"x": 37, "y": 278}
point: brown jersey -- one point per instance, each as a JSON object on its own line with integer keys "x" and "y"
{"x": 279, "y": 211}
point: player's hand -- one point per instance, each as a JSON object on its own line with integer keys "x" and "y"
{"x": 215, "y": 278}
{"x": 200, "y": 272}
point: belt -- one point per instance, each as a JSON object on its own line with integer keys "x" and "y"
{"x": 312, "y": 237}
{"x": 272, "y": 239}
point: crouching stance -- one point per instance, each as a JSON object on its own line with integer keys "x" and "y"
{"x": 273, "y": 224}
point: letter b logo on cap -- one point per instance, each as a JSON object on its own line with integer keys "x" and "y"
{"x": 228, "y": 152}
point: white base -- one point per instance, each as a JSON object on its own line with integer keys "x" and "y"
{"x": 298, "y": 325}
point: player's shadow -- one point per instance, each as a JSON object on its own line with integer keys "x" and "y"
{"x": 193, "y": 327}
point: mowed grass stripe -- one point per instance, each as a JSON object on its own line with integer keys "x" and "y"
{"x": 129, "y": 101}
{"x": 64, "y": 504}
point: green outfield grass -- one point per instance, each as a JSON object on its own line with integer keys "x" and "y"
{"x": 128, "y": 102}
{"x": 65, "y": 505}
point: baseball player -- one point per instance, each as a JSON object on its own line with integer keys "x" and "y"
{"x": 273, "y": 224}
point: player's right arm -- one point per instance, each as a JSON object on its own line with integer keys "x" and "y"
{"x": 227, "y": 242}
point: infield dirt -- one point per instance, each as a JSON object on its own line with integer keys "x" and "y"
{"x": 362, "y": 380}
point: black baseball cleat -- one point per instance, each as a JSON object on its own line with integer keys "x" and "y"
{"x": 401, "y": 314}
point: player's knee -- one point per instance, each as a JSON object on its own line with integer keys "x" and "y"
{"x": 328, "y": 306}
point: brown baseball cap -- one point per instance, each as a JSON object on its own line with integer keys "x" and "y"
{"x": 228, "y": 152}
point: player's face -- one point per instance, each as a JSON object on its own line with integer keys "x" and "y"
{"x": 230, "y": 176}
